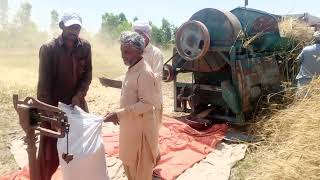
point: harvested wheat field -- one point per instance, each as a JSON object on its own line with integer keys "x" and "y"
{"x": 289, "y": 127}
{"x": 291, "y": 149}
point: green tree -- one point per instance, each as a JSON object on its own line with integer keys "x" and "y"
{"x": 113, "y": 24}
{"x": 135, "y": 18}
{"x": 54, "y": 28}
{"x": 156, "y": 35}
{"x": 164, "y": 35}
{"x": 3, "y": 14}
{"x": 4, "y": 36}
{"x": 122, "y": 17}
{"x": 167, "y": 32}
{"x": 23, "y": 16}
{"x": 23, "y": 32}
{"x": 174, "y": 30}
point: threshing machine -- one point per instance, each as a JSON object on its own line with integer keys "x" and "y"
{"x": 231, "y": 57}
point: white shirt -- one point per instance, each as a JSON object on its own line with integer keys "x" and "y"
{"x": 310, "y": 62}
{"x": 154, "y": 58}
{"x": 138, "y": 113}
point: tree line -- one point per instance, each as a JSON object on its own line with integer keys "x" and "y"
{"x": 22, "y": 31}
{"x": 113, "y": 24}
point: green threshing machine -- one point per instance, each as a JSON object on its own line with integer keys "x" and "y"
{"x": 232, "y": 59}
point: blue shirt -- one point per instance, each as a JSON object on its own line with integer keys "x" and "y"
{"x": 309, "y": 59}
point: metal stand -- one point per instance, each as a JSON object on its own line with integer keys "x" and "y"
{"x": 32, "y": 113}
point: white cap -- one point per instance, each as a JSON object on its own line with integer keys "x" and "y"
{"x": 69, "y": 19}
{"x": 143, "y": 26}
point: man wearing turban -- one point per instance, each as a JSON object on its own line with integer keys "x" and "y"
{"x": 139, "y": 104}
{"x": 151, "y": 54}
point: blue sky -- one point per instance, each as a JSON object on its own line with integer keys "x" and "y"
{"x": 176, "y": 11}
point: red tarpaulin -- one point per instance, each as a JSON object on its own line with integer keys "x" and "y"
{"x": 180, "y": 148}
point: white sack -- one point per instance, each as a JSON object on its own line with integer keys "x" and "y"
{"x": 85, "y": 144}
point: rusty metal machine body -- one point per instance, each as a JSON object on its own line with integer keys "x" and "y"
{"x": 32, "y": 114}
{"x": 231, "y": 59}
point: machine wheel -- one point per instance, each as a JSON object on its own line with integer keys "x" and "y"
{"x": 167, "y": 75}
{"x": 192, "y": 40}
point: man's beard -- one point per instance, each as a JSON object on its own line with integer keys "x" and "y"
{"x": 70, "y": 39}
{"x": 128, "y": 63}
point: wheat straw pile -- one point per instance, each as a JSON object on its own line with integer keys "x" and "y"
{"x": 292, "y": 146}
{"x": 298, "y": 30}
{"x": 291, "y": 128}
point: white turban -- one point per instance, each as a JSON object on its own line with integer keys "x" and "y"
{"x": 132, "y": 39}
{"x": 142, "y": 26}
{"x": 316, "y": 35}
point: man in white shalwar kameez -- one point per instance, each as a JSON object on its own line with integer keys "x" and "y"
{"x": 138, "y": 113}
{"x": 152, "y": 55}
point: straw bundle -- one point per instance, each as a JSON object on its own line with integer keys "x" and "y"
{"x": 293, "y": 137}
{"x": 298, "y": 30}
{"x": 289, "y": 125}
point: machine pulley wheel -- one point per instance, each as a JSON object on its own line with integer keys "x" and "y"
{"x": 168, "y": 74}
{"x": 192, "y": 40}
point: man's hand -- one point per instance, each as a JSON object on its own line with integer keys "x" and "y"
{"x": 111, "y": 117}
{"x": 75, "y": 101}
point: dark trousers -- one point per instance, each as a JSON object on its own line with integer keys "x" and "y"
{"x": 48, "y": 158}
